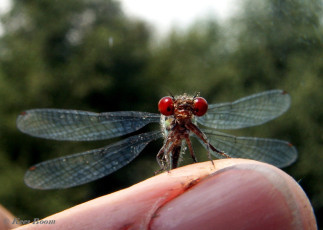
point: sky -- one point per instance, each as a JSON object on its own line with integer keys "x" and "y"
{"x": 4, "y": 5}
{"x": 164, "y": 14}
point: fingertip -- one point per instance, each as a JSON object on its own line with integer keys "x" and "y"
{"x": 241, "y": 195}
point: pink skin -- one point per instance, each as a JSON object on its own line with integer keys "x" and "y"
{"x": 232, "y": 194}
{"x": 6, "y": 219}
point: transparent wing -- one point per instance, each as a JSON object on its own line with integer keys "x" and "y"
{"x": 81, "y": 168}
{"x": 276, "y": 152}
{"x": 75, "y": 125}
{"x": 248, "y": 111}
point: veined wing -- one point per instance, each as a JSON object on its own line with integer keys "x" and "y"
{"x": 248, "y": 111}
{"x": 81, "y": 168}
{"x": 75, "y": 125}
{"x": 276, "y": 152}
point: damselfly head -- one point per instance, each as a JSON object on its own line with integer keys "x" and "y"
{"x": 183, "y": 106}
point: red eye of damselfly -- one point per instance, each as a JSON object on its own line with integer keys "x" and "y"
{"x": 200, "y": 106}
{"x": 166, "y": 106}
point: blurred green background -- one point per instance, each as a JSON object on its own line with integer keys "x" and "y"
{"x": 89, "y": 55}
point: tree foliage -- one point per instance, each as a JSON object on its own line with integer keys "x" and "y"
{"x": 83, "y": 54}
